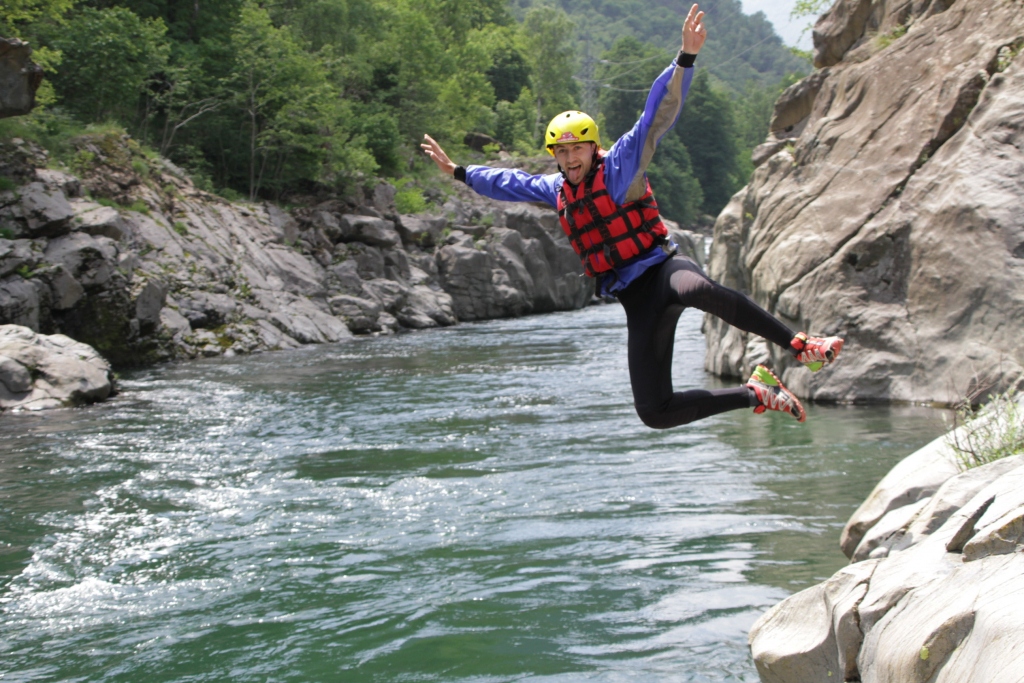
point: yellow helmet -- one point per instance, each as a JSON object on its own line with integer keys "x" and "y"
{"x": 571, "y": 126}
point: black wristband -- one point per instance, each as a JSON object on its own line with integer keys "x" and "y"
{"x": 685, "y": 59}
{"x": 460, "y": 173}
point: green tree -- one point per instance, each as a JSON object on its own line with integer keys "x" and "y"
{"x": 466, "y": 96}
{"x": 626, "y": 72}
{"x": 675, "y": 187}
{"x": 409, "y": 80}
{"x": 109, "y": 58}
{"x": 514, "y": 122}
{"x": 753, "y": 111}
{"x": 15, "y": 15}
{"x": 509, "y": 71}
{"x": 462, "y": 16}
{"x": 547, "y": 42}
{"x": 187, "y": 21}
{"x": 345, "y": 25}
{"x": 291, "y": 113}
{"x": 707, "y": 129}
{"x": 182, "y": 97}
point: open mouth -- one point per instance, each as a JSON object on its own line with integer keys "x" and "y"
{"x": 573, "y": 171}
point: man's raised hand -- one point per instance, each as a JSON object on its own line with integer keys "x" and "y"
{"x": 435, "y": 152}
{"x": 694, "y": 32}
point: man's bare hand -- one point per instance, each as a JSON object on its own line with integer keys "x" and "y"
{"x": 694, "y": 32}
{"x": 435, "y": 152}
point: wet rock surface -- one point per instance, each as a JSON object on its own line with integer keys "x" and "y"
{"x": 885, "y": 207}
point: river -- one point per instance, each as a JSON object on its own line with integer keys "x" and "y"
{"x": 474, "y": 504}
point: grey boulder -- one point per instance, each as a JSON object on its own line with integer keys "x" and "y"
{"x": 376, "y": 232}
{"x": 40, "y": 371}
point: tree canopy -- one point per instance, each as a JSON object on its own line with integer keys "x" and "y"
{"x": 277, "y": 99}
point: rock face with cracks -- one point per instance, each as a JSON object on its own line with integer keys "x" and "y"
{"x": 886, "y": 206}
{"x": 934, "y": 590}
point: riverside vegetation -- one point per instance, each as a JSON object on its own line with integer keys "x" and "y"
{"x": 284, "y": 100}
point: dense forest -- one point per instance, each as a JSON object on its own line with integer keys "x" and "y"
{"x": 284, "y": 98}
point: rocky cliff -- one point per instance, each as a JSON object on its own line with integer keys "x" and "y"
{"x": 129, "y": 257}
{"x": 886, "y": 206}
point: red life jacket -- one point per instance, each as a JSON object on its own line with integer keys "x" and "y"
{"x": 606, "y": 235}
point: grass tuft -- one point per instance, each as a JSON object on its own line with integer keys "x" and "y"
{"x": 990, "y": 433}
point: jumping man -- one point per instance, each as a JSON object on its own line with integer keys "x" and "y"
{"x": 607, "y": 210}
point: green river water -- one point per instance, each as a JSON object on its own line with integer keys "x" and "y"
{"x": 475, "y": 504}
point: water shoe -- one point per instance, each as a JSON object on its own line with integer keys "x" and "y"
{"x": 815, "y": 352}
{"x": 773, "y": 395}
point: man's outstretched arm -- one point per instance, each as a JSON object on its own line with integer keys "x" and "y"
{"x": 505, "y": 184}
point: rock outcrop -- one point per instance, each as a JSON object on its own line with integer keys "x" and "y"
{"x": 886, "y": 206}
{"x": 934, "y": 592}
{"x": 19, "y": 78}
{"x": 134, "y": 260}
{"x": 39, "y": 371}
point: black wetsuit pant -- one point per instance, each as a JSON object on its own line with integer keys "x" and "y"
{"x": 653, "y": 304}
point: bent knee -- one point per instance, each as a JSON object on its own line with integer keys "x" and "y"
{"x": 659, "y": 418}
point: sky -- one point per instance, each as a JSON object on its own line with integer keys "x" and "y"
{"x": 777, "y": 12}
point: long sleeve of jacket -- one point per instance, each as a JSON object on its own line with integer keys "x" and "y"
{"x": 513, "y": 185}
{"x": 625, "y": 163}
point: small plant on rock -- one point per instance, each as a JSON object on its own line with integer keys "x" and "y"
{"x": 139, "y": 206}
{"x": 82, "y": 162}
{"x": 140, "y": 167}
{"x": 409, "y": 199}
{"x": 886, "y": 39}
{"x": 985, "y": 435}
{"x": 1006, "y": 55}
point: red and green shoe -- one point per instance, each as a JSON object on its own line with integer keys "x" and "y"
{"x": 815, "y": 352}
{"x": 773, "y": 395}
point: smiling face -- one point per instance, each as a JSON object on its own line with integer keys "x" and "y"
{"x": 575, "y": 159}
